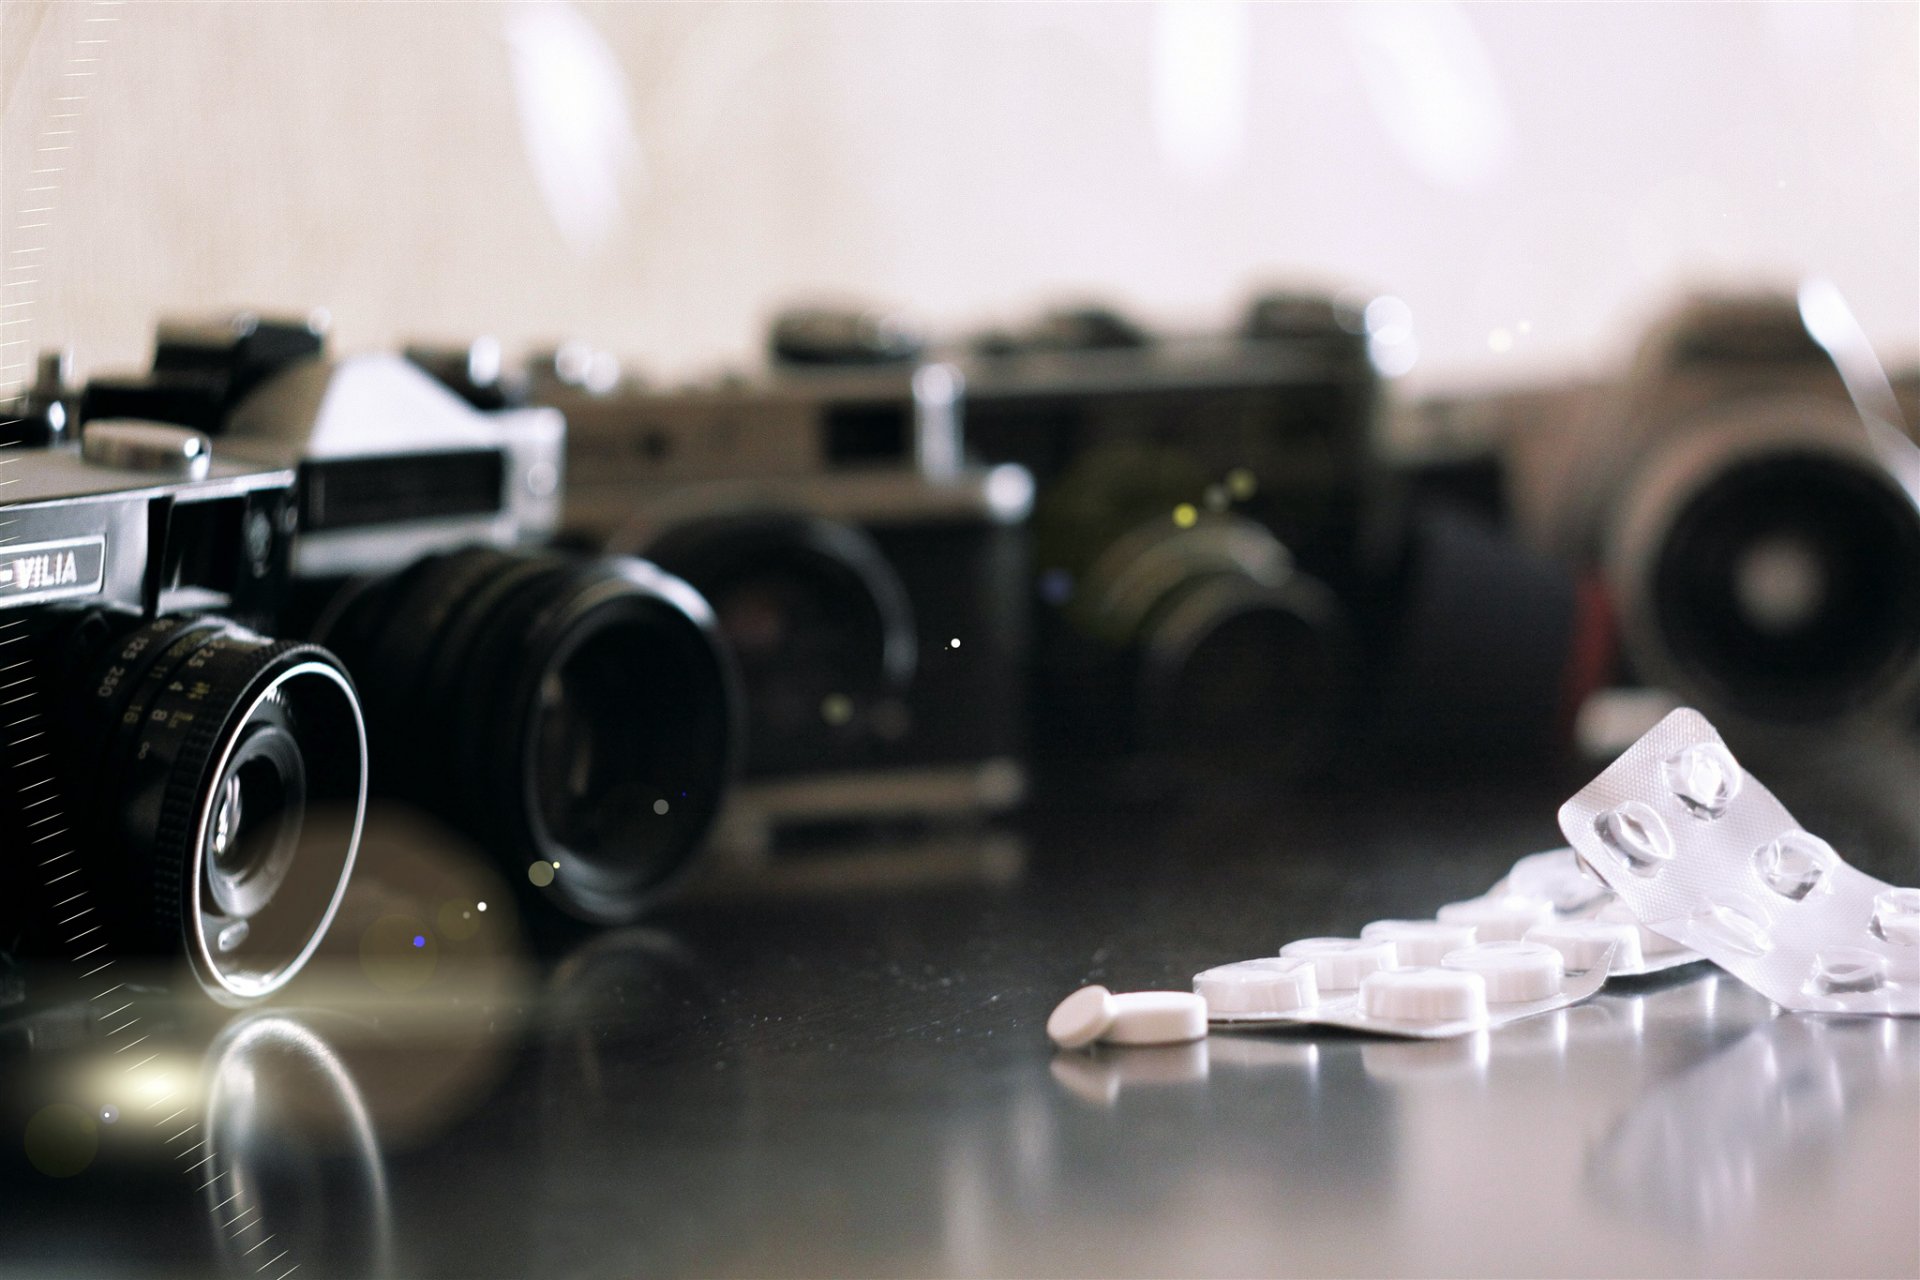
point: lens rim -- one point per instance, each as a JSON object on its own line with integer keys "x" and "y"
{"x": 453, "y": 651}
{"x": 595, "y": 596}
{"x": 232, "y": 734}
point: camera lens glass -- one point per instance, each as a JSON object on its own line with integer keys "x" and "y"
{"x": 235, "y": 768}
{"x": 572, "y": 712}
{"x": 819, "y": 623}
{"x": 1789, "y": 585}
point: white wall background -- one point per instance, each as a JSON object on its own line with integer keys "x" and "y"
{"x": 656, "y": 177}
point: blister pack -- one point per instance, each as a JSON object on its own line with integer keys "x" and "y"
{"x": 1586, "y": 914}
{"x": 1360, "y": 984}
{"x": 1701, "y": 853}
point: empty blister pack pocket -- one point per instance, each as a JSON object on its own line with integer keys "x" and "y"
{"x": 1701, "y": 853}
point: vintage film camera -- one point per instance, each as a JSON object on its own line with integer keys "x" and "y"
{"x": 176, "y": 782}
{"x": 573, "y": 714}
{"x": 1748, "y": 500}
{"x": 1197, "y": 500}
{"x": 868, "y": 581}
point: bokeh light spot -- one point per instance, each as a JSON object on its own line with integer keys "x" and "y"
{"x": 397, "y": 954}
{"x": 1185, "y": 515}
{"x": 660, "y": 806}
{"x": 455, "y": 921}
{"x": 541, "y": 873}
{"x": 836, "y": 708}
{"x": 62, "y": 1140}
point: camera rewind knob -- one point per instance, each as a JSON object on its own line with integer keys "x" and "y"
{"x": 146, "y": 446}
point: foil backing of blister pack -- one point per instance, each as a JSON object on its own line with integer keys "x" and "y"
{"x": 1705, "y": 855}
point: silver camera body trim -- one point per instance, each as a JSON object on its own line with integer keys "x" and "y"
{"x": 374, "y": 406}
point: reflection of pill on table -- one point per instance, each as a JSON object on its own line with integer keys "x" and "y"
{"x": 1339, "y": 964}
{"x": 1081, "y": 1018}
{"x": 1423, "y": 993}
{"x": 1157, "y": 1017}
{"x": 1269, "y": 984}
{"x": 1420, "y": 941}
{"x": 1582, "y": 944}
{"x": 1503, "y": 919}
{"x": 1513, "y": 971}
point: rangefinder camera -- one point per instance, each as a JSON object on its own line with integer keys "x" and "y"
{"x": 574, "y": 714}
{"x": 177, "y": 782}
{"x": 870, "y": 584}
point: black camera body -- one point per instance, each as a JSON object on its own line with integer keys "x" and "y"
{"x": 575, "y": 715}
{"x": 870, "y": 583}
{"x": 178, "y": 783}
{"x": 1201, "y": 528}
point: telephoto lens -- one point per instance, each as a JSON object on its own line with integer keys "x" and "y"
{"x": 575, "y": 716}
{"x": 213, "y": 782}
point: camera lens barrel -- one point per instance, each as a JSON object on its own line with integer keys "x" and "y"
{"x": 1237, "y": 655}
{"x": 229, "y": 772}
{"x": 569, "y": 711}
{"x": 816, "y": 617}
{"x": 1769, "y": 565}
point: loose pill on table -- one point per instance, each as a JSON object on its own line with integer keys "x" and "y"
{"x": 1157, "y": 1017}
{"x": 1514, "y": 971}
{"x": 1269, "y": 984}
{"x": 1339, "y": 964}
{"x": 1420, "y": 941}
{"x": 1081, "y": 1018}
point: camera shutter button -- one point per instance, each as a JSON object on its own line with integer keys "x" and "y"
{"x": 146, "y": 446}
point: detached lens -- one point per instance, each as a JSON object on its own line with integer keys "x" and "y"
{"x": 577, "y": 713}
{"x": 234, "y": 779}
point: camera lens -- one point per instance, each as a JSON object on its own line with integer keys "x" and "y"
{"x": 235, "y": 774}
{"x": 1239, "y": 655}
{"x": 1787, "y": 585}
{"x": 819, "y": 623}
{"x": 575, "y": 712}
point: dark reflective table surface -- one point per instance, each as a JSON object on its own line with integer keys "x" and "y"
{"x": 839, "y": 1069}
